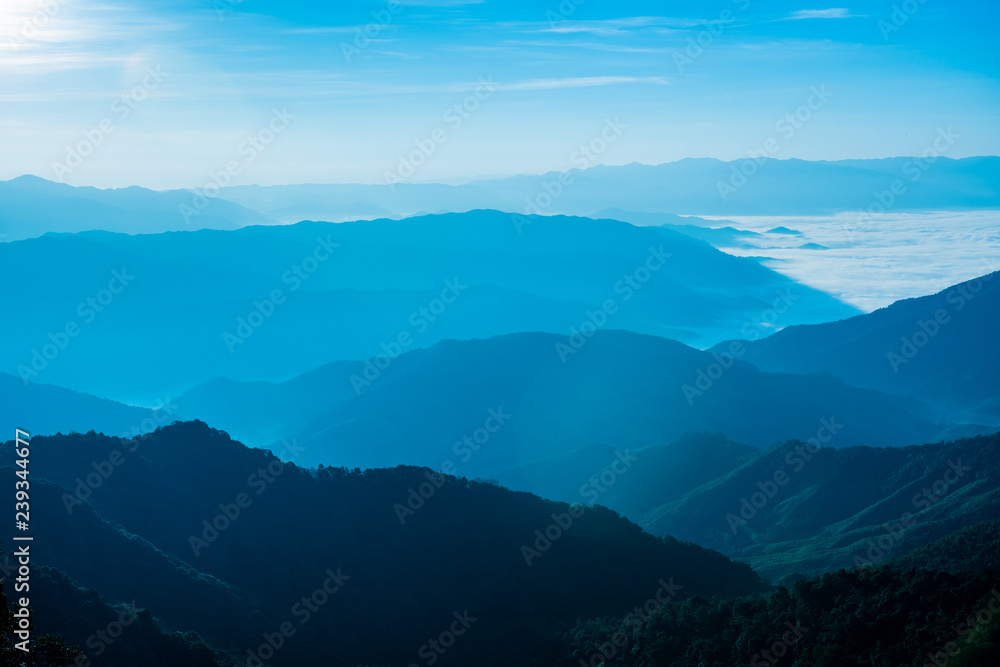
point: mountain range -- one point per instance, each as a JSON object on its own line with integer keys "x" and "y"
{"x": 33, "y": 206}
{"x": 268, "y": 303}
{"x": 488, "y": 405}
{"x": 694, "y": 186}
{"x": 216, "y": 564}
{"x": 940, "y": 348}
{"x": 690, "y": 187}
{"x": 224, "y": 549}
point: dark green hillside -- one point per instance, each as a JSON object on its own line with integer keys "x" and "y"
{"x": 523, "y": 567}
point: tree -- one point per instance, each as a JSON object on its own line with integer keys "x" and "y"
{"x": 43, "y": 650}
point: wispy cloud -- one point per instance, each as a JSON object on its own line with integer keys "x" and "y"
{"x": 609, "y": 27}
{"x": 593, "y": 46}
{"x": 832, "y": 13}
{"x": 440, "y": 3}
{"x": 360, "y": 88}
{"x": 397, "y": 54}
{"x": 582, "y": 82}
{"x": 323, "y": 30}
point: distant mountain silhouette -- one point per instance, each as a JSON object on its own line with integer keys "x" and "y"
{"x": 941, "y": 348}
{"x": 689, "y": 187}
{"x": 200, "y": 304}
{"x": 658, "y": 219}
{"x": 694, "y": 186}
{"x": 33, "y": 206}
{"x": 720, "y": 237}
{"x": 42, "y": 409}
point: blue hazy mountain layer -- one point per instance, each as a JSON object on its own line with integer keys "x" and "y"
{"x": 32, "y": 206}
{"x": 694, "y": 186}
{"x": 483, "y": 406}
{"x": 941, "y": 347}
{"x": 139, "y": 318}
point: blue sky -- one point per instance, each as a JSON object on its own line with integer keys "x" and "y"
{"x": 199, "y": 77}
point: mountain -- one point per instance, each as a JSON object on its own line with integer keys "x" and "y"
{"x": 343, "y": 568}
{"x": 885, "y": 617}
{"x": 719, "y": 237}
{"x": 696, "y": 186}
{"x": 665, "y": 472}
{"x": 690, "y": 187}
{"x": 392, "y": 566}
{"x": 792, "y": 508}
{"x": 156, "y": 314}
{"x": 940, "y": 348}
{"x": 489, "y": 405}
{"x": 710, "y": 231}
{"x": 122, "y": 566}
{"x": 657, "y": 219}
{"x": 33, "y": 206}
{"x": 972, "y": 549}
{"x": 125, "y": 634}
{"x": 329, "y": 213}
{"x": 763, "y": 186}
{"x": 42, "y": 409}
{"x": 404, "y": 200}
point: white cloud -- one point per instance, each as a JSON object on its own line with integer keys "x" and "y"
{"x": 593, "y": 46}
{"x": 607, "y": 27}
{"x": 582, "y": 82}
{"x": 440, "y": 3}
{"x": 833, "y": 13}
